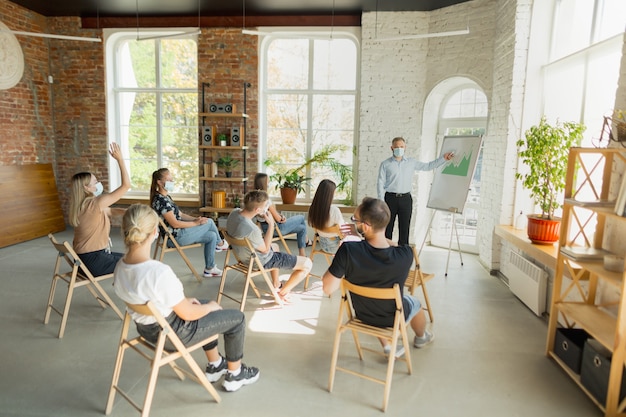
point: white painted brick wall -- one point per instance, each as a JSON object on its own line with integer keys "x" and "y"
{"x": 398, "y": 76}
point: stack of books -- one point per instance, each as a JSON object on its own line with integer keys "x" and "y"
{"x": 583, "y": 253}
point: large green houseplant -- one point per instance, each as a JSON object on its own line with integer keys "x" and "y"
{"x": 545, "y": 149}
{"x": 292, "y": 182}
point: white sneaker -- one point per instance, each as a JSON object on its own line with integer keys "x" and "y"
{"x": 213, "y": 272}
{"x": 399, "y": 350}
{"x": 222, "y": 247}
{"x": 420, "y": 342}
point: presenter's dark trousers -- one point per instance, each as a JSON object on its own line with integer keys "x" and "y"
{"x": 400, "y": 205}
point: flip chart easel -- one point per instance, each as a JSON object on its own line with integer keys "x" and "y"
{"x": 453, "y": 232}
{"x": 451, "y": 183}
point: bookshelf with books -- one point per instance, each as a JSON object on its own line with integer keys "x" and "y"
{"x": 576, "y": 303}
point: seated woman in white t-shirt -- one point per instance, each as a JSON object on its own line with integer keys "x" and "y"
{"x": 139, "y": 279}
{"x": 323, "y": 214}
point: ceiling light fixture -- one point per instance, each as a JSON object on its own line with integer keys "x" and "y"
{"x": 245, "y": 31}
{"x": 51, "y": 36}
{"x": 173, "y": 35}
{"x": 425, "y": 35}
{"x": 417, "y": 36}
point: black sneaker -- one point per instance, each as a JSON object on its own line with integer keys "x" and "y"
{"x": 214, "y": 373}
{"x": 247, "y": 376}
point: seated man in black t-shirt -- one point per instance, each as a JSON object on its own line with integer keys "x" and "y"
{"x": 380, "y": 263}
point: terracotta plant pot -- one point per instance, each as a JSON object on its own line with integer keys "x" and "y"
{"x": 543, "y": 231}
{"x": 288, "y": 195}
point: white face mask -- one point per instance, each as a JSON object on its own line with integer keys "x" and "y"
{"x": 398, "y": 152}
{"x": 99, "y": 189}
{"x": 169, "y": 186}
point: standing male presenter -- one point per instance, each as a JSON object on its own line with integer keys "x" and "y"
{"x": 395, "y": 180}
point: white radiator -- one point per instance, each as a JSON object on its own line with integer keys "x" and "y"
{"x": 528, "y": 282}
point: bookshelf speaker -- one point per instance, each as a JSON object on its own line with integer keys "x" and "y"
{"x": 208, "y": 135}
{"x": 236, "y": 138}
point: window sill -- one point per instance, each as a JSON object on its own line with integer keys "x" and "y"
{"x": 181, "y": 202}
{"x": 546, "y": 254}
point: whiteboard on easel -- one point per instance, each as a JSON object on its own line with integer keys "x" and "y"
{"x": 451, "y": 182}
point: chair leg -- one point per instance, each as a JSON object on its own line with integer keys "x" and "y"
{"x": 68, "y": 302}
{"x": 427, "y": 301}
{"x": 53, "y": 287}
{"x": 118, "y": 364}
{"x": 201, "y": 377}
{"x": 333, "y": 360}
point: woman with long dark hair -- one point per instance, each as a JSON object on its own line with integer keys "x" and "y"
{"x": 324, "y": 214}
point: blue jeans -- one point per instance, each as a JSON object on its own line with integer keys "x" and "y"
{"x": 294, "y": 224}
{"x": 205, "y": 233}
{"x": 231, "y": 323}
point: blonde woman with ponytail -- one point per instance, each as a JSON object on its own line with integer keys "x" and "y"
{"x": 139, "y": 279}
{"x": 90, "y": 212}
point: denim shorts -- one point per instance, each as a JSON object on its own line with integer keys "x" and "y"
{"x": 414, "y": 307}
{"x": 281, "y": 260}
{"x": 329, "y": 244}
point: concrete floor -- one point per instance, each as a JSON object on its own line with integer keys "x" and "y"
{"x": 488, "y": 358}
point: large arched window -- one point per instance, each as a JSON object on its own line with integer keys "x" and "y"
{"x": 152, "y": 104}
{"x": 463, "y": 113}
{"x": 308, "y": 101}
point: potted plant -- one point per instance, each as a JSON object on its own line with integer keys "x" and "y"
{"x": 293, "y": 181}
{"x": 222, "y": 139}
{"x": 228, "y": 163}
{"x": 545, "y": 150}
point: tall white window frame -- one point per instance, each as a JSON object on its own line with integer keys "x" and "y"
{"x": 463, "y": 112}
{"x": 573, "y": 76}
{"x": 317, "y": 93}
{"x": 175, "y": 124}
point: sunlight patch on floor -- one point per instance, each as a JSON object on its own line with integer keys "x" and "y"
{"x": 300, "y": 316}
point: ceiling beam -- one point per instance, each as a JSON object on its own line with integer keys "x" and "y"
{"x": 221, "y": 21}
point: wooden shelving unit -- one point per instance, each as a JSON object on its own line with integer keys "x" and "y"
{"x": 576, "y": 304}
{"x": 210, "y": 153}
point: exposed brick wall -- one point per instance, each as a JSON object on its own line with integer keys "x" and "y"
{"x": 25, "y": 109}
{"x": 227, "y": 59}
{"x": 79, "y": 105}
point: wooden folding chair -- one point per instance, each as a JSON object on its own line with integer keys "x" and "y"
{"x": 335, "y": 229}
{"x": 356, "y": 326}
{"x": 249, "y": 269}
{"x": 78, "y": 276}
{"x": 158, "y": 355}
{"x": 418, "y": 278}
{"x": 279, "y": 237}
{"x": 164, "y": 236}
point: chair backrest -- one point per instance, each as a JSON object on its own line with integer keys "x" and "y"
{"x": 166, "y": 235}
{"x": 418, "y": 278}
{"x": 393, "y": 293}
{"x": 334, "y": 229}
{"x": 244, "y": 245}
{"x": 279, "y": 236}
{"x": 71, "y": 257}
